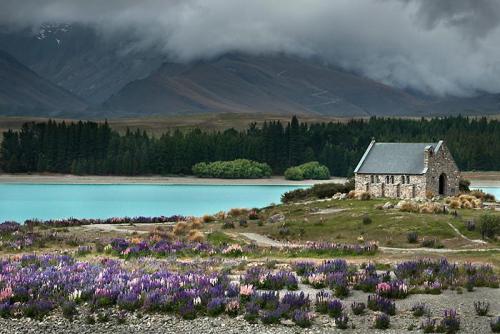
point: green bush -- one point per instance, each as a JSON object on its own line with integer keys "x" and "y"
{"x": 310, "y": 170}
{"x": 322, "y": 190}
{"x": 463, "y": 185}
{"x": 294, "y": 173}
{"x": 489, "y": 225}
{"x": 236, "y": 169}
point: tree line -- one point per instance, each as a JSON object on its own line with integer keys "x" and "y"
{"x": 95, "y": 148}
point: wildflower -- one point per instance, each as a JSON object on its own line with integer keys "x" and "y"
{"x": 246, "y": 290}
{"x": 5, "y": 293}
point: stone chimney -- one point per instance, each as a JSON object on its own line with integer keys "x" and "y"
{"x": 428, "y": 152}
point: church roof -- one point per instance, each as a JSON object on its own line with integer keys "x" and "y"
{"x": 395, "y": 158}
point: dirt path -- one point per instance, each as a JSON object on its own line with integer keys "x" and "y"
{"x": 262, "y": 240}
{"x": 476, "y": 241}
{"x": 124, "y": 228}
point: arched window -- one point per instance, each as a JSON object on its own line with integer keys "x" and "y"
{"x": 387, "y": 179}
{"x": 372, "y": 179}
{"x": 392, "y": 179}
{"x": 402, "y": 179}
{"x": 408, "y": 179}
{"x": 378, "y": 179}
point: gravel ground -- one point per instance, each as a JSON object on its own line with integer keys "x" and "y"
{"x": 159, "y": 323}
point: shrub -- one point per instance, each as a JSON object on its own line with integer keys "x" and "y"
{"x": 342, "y": 321}
{"x": 450, "y": 323}
{"x": 358, "y": 308}
{"x": 294, "y": 174}
{"x": 302, "y": 318}
{"x": 208, "y": 218}
{"x": 196, "y": 236}
{"x": 196, "y": 224}
{"x": 251, "y": 312}
{"x": 420, "y": 309}
{"x": 428, "y": 325}
{"x": 236, "y": 169}
{"x": 228, "y": 224}
{"x": 364, "y": 196}
{"x": 470, "y": 225}
{"x": 310, "y": 170}
{"x": 481, "y": 308}
{"x": 377, "y": 303}
{"x": 321, "y": 190}
{"x": 180, "y": 228}
{"x": 463, "y": 185}
{"x": 429, "y": 243}
{"x": 69, "y": 309}
{"x": 381, "y": 321}
{"x": 367, "y": 220}
{"x": 253, "y": 214}
{"x": 489, "y": 225}
{"x": 495, "y": 325}
{"x": 335, "y": 308}
{"x": 412, "y": 237}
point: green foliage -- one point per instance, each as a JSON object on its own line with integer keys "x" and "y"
{"x": 463, "y": 185}
{"x": 236, "y": 169}
{"x": 94, "y": 148}
{"x": 322, "y": 190}
{"x": 310, "y": 170}
{"x": 489, "y": 225}
{"x": 294, "y": 173}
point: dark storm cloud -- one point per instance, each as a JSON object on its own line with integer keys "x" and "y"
{"x": 435, "y": 46}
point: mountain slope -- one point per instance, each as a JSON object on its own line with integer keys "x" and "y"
{"x": 244, "y": 83}
{"x": 77, "y": 58}
{"x": 22, "y": 91}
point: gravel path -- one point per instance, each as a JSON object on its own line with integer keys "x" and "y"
{"x": 262, "y": 240}
{"x": 123, "y": 227}
{"x": 165, "y": 323}
{"x": 464, "y": 237}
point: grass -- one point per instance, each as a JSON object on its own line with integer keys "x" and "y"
{"x": 389, "y": 227}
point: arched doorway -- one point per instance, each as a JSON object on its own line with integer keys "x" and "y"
{"x": 442, "y": 184}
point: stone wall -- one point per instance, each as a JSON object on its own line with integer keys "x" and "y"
{"x": 441, "y": 162}
{"x": 416, "y": 187}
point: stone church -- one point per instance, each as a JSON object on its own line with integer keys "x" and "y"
{"x": 407, "y": 170}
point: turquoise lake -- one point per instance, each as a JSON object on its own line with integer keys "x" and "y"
{"x": 19, "y": 202}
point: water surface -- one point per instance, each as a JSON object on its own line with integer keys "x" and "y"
{"x": 19, "y": 202}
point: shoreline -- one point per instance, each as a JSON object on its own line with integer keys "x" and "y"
{"x": 155, "y": 180}
{"x": 478, "y": 180}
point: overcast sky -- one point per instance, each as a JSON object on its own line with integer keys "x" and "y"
{"x": 442, "y": 47}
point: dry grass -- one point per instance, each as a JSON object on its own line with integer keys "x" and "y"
{"x": 208, "y": 218}
{"x": 196, "y": 236}
{"x": 408, "y": 206}
{"x": 181, "y": 228}
{"x": 361, "y": 195}
{"x": 236, "y": 212}
{"x": 196, "y": 224}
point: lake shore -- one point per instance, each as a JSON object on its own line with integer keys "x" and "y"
{"x": 478, "y": 179}
{"x": 165, "y": 180}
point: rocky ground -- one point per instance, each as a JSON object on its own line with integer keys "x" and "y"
{"x": 161, "y": 323}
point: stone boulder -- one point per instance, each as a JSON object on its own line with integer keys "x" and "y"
{"x": 277, "y": 218}
{"x": 388, "y": 206}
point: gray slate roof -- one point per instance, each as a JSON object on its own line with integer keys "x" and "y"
{"x": 394, "y": 158}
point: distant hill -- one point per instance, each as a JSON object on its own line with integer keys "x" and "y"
{"x": 116, "y": 78}
{"x": 22, "y": 91}
{"x": 244, "y": 83}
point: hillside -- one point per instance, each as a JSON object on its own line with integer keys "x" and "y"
{"x": 264, "y": 84}
{"x": 116, "y": 78}
{"x": 22, "y": 91}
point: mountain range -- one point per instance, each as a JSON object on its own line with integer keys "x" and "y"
{"x": 71, "y": 70}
